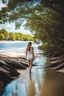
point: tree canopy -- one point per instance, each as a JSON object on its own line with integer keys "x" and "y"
{"x": 46, "y": 19}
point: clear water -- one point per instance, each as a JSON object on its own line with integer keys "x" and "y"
{"x": 8, "y": 45}
{"x": 40, "y": 83}
{"x": 16, "y": 46}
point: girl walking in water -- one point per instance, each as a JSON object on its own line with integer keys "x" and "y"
{"x": 30, "y": 55}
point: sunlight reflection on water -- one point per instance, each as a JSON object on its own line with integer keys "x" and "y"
{"x": 25, "y": 85}
{"x": 40, "y": 83}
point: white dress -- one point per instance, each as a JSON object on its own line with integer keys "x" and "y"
{"x": 29, "y": 55}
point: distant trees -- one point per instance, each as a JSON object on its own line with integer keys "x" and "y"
{"x": 1, "y": 36}
{"x": 4, "y": 35}
{"x": 11, "y": 36}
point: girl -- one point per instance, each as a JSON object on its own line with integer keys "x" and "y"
{"x": 30, "y": 54}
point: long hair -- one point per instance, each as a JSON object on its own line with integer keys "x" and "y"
{"x": 29, "y": 45}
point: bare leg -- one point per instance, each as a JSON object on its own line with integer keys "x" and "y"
{"x": 30, "y": 65}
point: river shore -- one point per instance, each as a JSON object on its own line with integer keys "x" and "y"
{"x": 16, "y": 41}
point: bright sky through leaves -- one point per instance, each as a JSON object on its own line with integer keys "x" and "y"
{"x": 11, "y": 26}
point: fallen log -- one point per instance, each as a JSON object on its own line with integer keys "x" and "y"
{"x": 56, "y": 58}
{"x": 9, "y": 69}
{"x": 16, "y": 65}
{"x": 60, "y": 67}
{"x": 14, "y": 62}
{"x": 53, "y": 65}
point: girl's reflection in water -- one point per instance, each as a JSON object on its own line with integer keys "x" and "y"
{"x": 31, "y": 87}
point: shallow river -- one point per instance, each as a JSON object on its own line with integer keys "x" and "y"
{"x": 42, "y": 82}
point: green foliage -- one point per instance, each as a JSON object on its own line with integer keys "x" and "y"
{"x": 48, "y": 26}
{"x": 11, "y": 36}
{"x": 4, "y": 35}
{"x": 1, "y": 36}
{"x": 45, "y": 46}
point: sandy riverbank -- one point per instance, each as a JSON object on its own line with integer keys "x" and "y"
{"x": 12, "y": 54}
{"x": 3, "y": 41}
